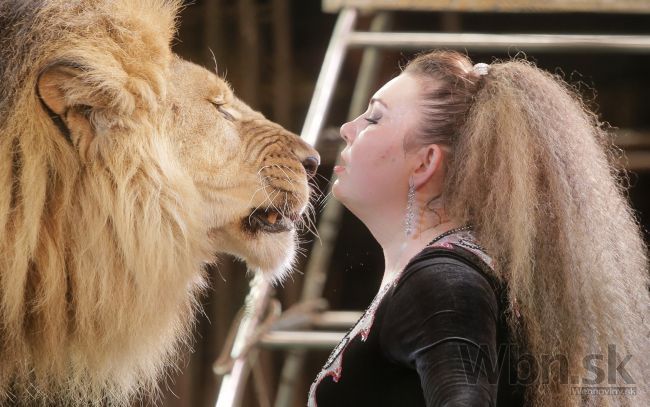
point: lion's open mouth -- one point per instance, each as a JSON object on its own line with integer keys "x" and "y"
{"x": 269, "y": 220}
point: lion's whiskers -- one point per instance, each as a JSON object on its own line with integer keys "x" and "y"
{"x": 317, "y": 197}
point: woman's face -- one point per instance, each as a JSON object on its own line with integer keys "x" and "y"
{"x": 373, "y": 170}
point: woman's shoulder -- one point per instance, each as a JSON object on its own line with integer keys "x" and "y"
{"x": 439, "y": 296}
{"x": 436, "y": 267}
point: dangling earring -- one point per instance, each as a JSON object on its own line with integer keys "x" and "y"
{"x": 409, "y": 221}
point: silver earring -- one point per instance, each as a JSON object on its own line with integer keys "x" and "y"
{"x": 409, "y": 221}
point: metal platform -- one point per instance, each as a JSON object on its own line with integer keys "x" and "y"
{"x": 493, "y": 6}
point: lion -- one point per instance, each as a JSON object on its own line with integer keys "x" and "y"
{"x": 124, "y": 169}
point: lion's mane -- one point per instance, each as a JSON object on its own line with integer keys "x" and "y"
{"x": 92, "y": 255}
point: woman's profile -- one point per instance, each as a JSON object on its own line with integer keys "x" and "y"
{"x": 515, "y": 269}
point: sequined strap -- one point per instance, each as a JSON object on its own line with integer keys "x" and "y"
{"x": 464, "y": 239}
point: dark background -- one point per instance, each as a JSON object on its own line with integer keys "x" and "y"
{"x": 271, "y": 51}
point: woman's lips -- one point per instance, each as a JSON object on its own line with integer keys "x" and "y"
{"x": 339, "y": 169}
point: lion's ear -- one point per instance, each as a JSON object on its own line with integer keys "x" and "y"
{"x": 52, "y": 85}
{"x": 61, "y": 91}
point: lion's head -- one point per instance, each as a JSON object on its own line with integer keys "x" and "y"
{"x": 123, "y": 169}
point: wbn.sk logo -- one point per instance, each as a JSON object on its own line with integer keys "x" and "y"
{"x": 600, "y": 369}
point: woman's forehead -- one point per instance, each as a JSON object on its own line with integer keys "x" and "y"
{"x": 403, "y": 89}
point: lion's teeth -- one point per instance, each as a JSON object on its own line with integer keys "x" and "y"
{"x": 272, "y": 217}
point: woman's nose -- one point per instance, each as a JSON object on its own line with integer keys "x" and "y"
{"x": 347, "y": 132}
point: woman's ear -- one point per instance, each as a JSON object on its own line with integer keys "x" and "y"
{"x": 427, "y": 162}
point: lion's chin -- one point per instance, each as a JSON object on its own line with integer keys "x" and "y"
{"x": 273, "y": 255}
{"x": 270, "y": 253}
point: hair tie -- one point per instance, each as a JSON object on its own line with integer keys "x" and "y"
{"x": 481, "y": 68}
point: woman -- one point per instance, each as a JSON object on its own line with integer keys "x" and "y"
{"x": 515, "y": 272}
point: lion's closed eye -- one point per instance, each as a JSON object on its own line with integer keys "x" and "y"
{"x": 225, "y": 113}
{"x": 219, "y": 104}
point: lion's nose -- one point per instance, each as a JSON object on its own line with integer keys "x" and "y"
{"x": 307, "y": 155}
{"x": 311, "y": 165}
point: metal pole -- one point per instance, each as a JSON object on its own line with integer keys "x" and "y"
{"x": 282, "y": 62}
{"x": 301, "y": 340}
{"x": 328, "y": 76}
{"x": 233, "y": 383}
{"x": 499, "y": 42}
{"x": 369, "y": 68}
{"x": 328, "y": 227}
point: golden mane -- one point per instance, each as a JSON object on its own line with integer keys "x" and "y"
{"x": 53, "y": 218}
{"x": 105, "y": 233}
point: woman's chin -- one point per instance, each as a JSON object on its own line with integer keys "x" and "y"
{"x": 337, "y": 191}
{"x": 340, "y": 194}
{"x": 335, "y": 188}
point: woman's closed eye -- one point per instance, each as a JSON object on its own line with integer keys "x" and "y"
{"x": 372, "y": 120}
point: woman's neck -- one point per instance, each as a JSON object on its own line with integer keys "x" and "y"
{"x": 400, "y": 249}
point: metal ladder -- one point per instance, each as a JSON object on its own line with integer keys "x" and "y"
{"x": 262, "y": 322}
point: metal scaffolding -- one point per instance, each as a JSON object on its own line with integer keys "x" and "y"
{"x": 262, "y": 323}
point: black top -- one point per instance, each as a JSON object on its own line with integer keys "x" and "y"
{"x": 435, "y": 340}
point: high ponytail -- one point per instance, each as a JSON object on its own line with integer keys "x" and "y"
{"x": 531, "y": 169}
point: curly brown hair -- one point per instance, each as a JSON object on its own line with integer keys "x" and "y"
{"x": 533, "y": 169}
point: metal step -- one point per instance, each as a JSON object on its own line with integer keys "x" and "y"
{"x": 312, "y": 340}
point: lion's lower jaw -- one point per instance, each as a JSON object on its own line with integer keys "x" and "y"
{"x": 277, "y": 271}
{"x": 272, "y": 256}
{"x": 276, "y": 274}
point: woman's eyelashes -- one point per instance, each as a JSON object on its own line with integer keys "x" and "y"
{"x": 372, "y": 120}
